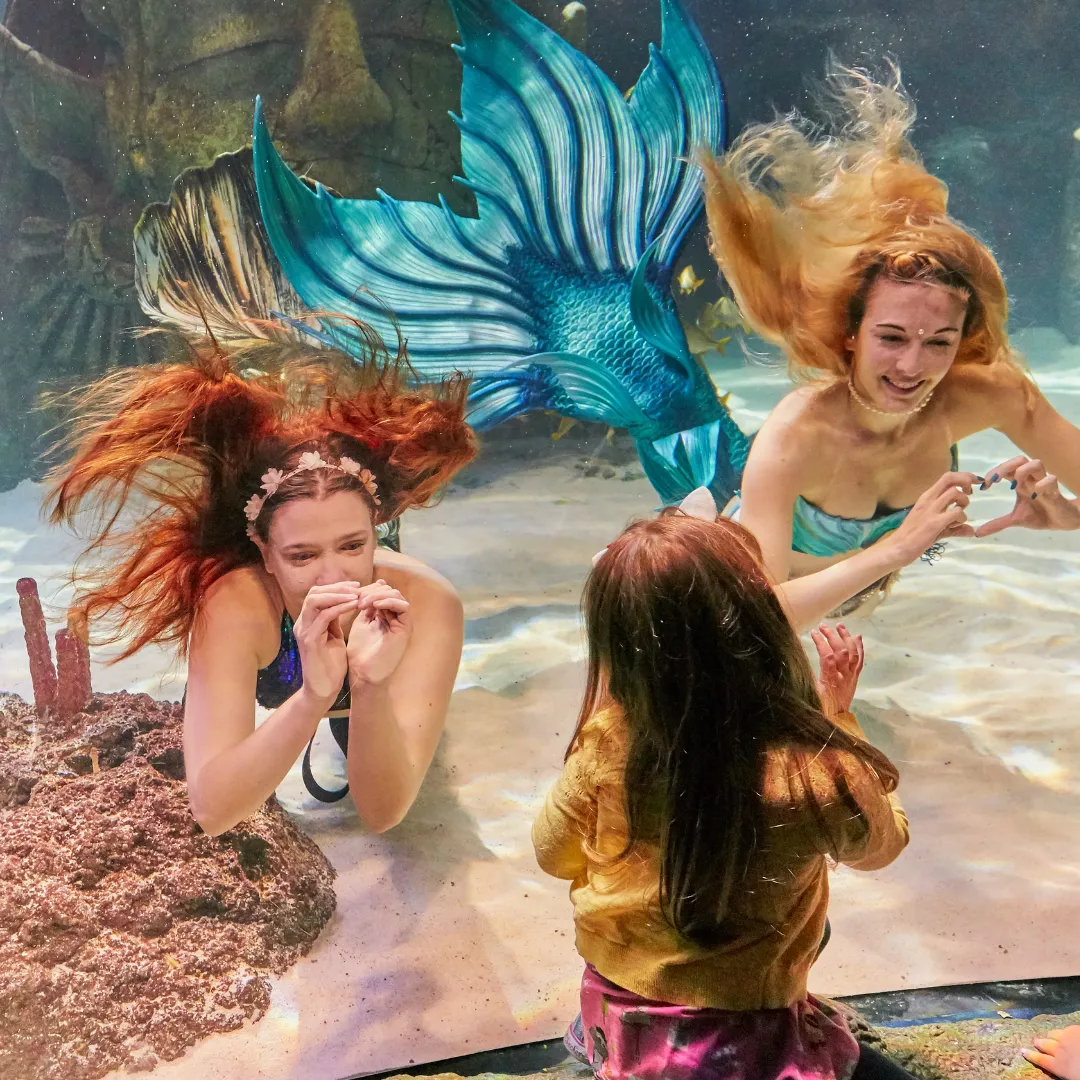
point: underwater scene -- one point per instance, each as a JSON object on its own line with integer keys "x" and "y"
{"x": 492, "y": 492}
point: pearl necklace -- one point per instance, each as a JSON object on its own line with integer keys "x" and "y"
{"x": 860, "y": 400}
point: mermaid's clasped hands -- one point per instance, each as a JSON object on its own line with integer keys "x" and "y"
{"x": 941, "y": 511}
{"x": 376, "y": 640}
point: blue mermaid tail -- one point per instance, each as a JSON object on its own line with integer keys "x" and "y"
{"x": 556, "y": 296}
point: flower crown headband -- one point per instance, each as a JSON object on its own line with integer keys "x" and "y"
{"x": 272, "y": 479}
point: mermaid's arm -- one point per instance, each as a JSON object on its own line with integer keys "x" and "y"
{"x": 774, "y": 476}
{"x": 232, "y": 766}
{"x": 395, "y": 727}
{"x": 807, "y": 600}
{"x": 1044, "y": 434}
{"x": 1004, "y": 398}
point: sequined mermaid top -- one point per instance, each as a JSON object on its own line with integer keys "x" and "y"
{"x": 283, "y": 676}
{"x": 815, "y": 532}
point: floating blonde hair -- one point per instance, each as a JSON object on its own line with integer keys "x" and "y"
{"x": 803, "y": 218}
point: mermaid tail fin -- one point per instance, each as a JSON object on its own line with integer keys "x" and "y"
{"x": 555, "y": 296}
{"x": 203, "y": 261}
{"x": 571, "y": 181}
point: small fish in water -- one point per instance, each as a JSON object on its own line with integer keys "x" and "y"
{"x": 688, "y": 281}
{"x": 724, "y": 314}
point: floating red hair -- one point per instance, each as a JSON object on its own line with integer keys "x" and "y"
{"x": 164, "y": 457}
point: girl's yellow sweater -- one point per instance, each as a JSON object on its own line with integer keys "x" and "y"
{"x": 775, "y": 924}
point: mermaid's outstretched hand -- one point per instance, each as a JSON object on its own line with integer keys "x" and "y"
{"x": 842, "y": 658}
{"x": 1039, "y": 501}
{"x": 938, "y": 514}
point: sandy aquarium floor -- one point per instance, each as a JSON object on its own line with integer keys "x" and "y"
{"x": 447, "y": 938}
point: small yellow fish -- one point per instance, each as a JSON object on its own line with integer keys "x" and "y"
{"x": 701, "y": 343}
{"x": 724, "y": 314}
{"x": 688, "y": 281}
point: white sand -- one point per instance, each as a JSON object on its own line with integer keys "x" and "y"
{"x": 448, "y": 940}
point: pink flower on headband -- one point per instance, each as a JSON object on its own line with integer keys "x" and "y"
{"x": 313, "y": 460}
{"x": 271, "y": 481}
{"x": 367, "y": 478}
{"x": 253, "y": 507}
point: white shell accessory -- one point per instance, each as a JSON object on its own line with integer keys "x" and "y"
{"x": 700, "y": 504}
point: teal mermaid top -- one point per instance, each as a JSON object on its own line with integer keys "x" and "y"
{"x": 816, "y": 533}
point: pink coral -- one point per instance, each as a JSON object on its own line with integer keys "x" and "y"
{"x": 42, "y": 672}
{"x": 73, "y": 673}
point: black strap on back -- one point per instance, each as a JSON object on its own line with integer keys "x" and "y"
{"x": 339, "y": 728}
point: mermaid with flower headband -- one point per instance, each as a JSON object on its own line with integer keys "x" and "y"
{"x": 254, "y": 480}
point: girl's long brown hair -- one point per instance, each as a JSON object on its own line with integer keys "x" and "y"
{"x": 688, "y": 639}
{"x": 804, "y": 218}
{"x": 164, "y": 457}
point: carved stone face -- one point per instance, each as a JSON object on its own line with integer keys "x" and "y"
{"x": 185, "y": 91}
{"x": 356, "y": 91}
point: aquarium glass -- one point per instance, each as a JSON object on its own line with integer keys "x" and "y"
{"x": 155, "y": 948}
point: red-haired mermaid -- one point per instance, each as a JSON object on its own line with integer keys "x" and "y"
{"x": 237, "y": 494}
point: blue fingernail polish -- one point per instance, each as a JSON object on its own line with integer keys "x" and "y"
{"x": 1034, "y": 494}
{"x": 995, "y": 478}
{"x": 1012, "y": 485}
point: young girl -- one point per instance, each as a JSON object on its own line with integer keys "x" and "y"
{"x": 251, "y": 481}
{"x": 706, "y": 787}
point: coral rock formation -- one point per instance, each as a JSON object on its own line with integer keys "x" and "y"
{"x": 126, "y": 933}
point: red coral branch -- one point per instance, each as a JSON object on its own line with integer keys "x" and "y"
{"x": 73, "y": 671}
{"x": 42, "y": 672}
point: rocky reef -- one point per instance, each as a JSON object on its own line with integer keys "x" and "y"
{"x": 126, "y": 933}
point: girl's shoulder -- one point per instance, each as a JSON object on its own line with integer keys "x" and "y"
{"x": 603, "y": 738}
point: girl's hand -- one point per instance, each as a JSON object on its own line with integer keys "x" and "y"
{"x": 841, "y": 658}
{"x": 320, "y": 640}
{"x": 379, "y": 636}
{"x": 1058, "y": 1052}
{"x": 937, "y": 515}
{"x": 1039, "y": 502}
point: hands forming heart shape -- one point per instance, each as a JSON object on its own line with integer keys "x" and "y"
{"x": 1039, "y": 501}
{"x": 940, "y": 513}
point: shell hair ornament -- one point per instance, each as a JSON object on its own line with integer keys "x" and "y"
{"x": 310, "y": 461}
{"x": 698, "y": 504}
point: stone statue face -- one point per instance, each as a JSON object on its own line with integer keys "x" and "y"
{"x": 186, "y": 88}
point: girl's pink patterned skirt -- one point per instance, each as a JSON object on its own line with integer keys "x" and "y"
{"x": 631, "y": 1038}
